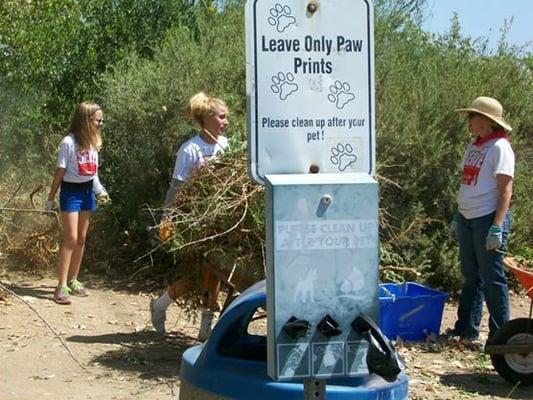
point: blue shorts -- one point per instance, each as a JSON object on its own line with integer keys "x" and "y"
{"x": 76, "y": 201}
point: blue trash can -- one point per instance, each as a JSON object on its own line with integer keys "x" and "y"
{"x": 232, "y": 365}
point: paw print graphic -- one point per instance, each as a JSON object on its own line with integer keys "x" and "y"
{"x": 283, "y": 85}
{"x": 342, "y": 156}
{"x": 281, "y": 17}
{"x": 339, "y": 94}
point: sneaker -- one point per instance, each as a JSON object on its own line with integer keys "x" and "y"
{"x": 450, "y": 334}
{"x": 77, "y": 288}
{"x": 62, "y": 295}
{"x": 451, "y": 338}
{"x": 158, "y": 317}
{"x": 206, "y": 321}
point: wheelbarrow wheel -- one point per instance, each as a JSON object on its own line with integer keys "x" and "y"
{"x": 514, "y": 367}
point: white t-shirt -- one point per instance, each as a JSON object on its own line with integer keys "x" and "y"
{"x": 195, "y": 153}
{"x": 478, "y": 194}
{"x": 80, "y": 166}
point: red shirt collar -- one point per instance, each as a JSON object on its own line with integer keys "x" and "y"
{"x": 494, "y": 135}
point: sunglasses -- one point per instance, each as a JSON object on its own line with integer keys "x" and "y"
{"x": 100, "y": 121}
{"x": 472, "y": 115}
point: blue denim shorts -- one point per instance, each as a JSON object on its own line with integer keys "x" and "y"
{"x": 76, "y": 201}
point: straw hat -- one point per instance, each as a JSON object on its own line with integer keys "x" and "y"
{"x": 490, "y": 108}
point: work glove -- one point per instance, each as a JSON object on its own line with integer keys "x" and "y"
{"x": 50, "y": 206}
{"x": 453, "y": 229}
{"x": 103, "y": 198}
{"x": 166, "y": 229}
{"x": 494, "y": 238}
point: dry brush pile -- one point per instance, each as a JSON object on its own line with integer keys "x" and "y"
{"x": 29, "y": 236}
{"x": 217, "y": 217}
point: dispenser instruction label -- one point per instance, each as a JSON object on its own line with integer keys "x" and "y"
{"x": 322, "y": 235}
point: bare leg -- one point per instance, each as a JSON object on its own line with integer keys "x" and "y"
{"x": 177, "y": 289}
{"x": 70, "y": 238}
{"x": 211, "y": 288}
{"x": 77, "y": 254}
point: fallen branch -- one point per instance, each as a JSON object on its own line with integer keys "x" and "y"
{"x": 29, "y": 210}
{"x": 32, "y": 194}
{"x": 388, "y": 181}
{"x": 204, "y": 239}
{"x": 16, "y": 190}
{"x": 513, "y": 389}
{"x": 399, "y": 269}
{"x": 46, "y": 323}
{"x": 211, "y": 237}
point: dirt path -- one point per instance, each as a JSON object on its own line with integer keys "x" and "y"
{"x": 111, "y": 336}
{"x": 108, "y": 332}
{"x": 454, "y": 372}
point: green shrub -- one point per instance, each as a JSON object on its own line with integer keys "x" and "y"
{"x": 420, "y": 139}
{"x": 55, "y": 51}
{"x": 145, "y": 103}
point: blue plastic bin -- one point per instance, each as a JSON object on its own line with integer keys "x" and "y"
{"x": 410, "y": 310}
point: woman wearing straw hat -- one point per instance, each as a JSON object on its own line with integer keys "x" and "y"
{"x": 481, "y": 225}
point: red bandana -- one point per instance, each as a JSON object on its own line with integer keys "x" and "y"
{"x": 494, "y": 135}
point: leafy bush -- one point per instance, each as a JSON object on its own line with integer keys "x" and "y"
{"x": 56, "y": 51}
{"x": 420, "y": 81}
{"x": 145, "y": 103}
{"x": 20, "y": 126}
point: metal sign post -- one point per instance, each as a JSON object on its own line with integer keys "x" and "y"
{"x": 314, "y": 390}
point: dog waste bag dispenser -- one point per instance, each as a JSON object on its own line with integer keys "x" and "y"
{"x": 322, "y": 258}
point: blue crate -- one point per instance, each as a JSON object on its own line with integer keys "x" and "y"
{"x": 410, "y": 310}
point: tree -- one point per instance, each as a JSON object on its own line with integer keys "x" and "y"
{"x": 57, "y": 50}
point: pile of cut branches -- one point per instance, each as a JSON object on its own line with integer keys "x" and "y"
{"x": 217, "y": 217}
{"x": 28, "y": 235}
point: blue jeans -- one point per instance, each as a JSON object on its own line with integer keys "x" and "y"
{"x": 484, "y": 277}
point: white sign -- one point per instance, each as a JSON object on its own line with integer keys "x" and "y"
{"x": 310, "y": 86}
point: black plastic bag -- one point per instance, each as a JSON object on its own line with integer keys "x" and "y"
{"x": 381, "y": 358}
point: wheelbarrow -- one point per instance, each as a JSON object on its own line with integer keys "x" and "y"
{"x": 511, "y": 349}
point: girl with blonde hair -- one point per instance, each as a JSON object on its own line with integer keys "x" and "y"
{"x": 211, "y": 114}
{"x": 76, "y": 176}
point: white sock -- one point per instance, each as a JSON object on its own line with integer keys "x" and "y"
{"x": 163, "y": 302}
{"x": 206, "y": 322}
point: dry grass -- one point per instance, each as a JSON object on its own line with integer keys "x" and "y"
{"x": 29, "y": 238}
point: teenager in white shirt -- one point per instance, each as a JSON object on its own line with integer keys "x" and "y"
{"x": 77, "y": 175}
{"x": 211, "y": 114}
